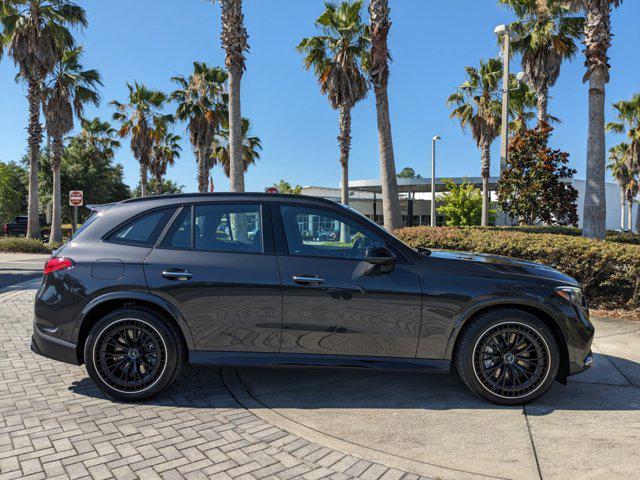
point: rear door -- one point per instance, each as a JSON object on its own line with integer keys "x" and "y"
{"x": 216, "y": 263}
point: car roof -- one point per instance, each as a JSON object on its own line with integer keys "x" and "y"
{"x": 206, "y": 197}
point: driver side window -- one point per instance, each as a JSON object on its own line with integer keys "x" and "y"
{"x": 316, "y": 232}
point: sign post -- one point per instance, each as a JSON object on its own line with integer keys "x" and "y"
{"x": 76, "y": 199}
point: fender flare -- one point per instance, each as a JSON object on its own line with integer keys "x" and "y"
{"x": 511, "y": 301}
{"x": 142, "y": 296}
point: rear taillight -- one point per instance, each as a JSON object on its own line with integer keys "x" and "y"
{"x": 55, "y": 264}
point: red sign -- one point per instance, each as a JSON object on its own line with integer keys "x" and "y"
{"x": 76, "y": 199}
{"x": 271, "y": 190}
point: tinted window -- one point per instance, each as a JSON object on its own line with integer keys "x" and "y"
{"x": 143, "y": 230}
{"x": 228, "y": 228}
{"x": 323, "y": 233}
{"x": 179, "y": 233}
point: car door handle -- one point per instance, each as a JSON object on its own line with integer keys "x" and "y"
{"x": 177, "y": 274}
{"x": 307, "y": 279}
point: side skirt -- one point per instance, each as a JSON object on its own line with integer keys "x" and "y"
{"x": 250, "y": 359}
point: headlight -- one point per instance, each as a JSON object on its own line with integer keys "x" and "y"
{"x": 572, "y": 294}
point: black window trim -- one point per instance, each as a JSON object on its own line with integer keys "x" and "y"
{"x": 282, "y": 246}
{"x": 107, "y": 236}
{"x": 268, "y": 243}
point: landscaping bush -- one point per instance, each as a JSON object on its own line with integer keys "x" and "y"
{"x": 23, "y": 245}
{"x": 608, "y": 271}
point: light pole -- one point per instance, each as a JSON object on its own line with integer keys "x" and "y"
{"x": 504, "y": 130}
{"x": 433, "y": 179}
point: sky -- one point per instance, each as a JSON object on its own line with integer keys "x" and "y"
{"x": 431, "y": 41}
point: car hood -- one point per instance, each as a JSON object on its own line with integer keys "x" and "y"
{"x": 506, "y": 265}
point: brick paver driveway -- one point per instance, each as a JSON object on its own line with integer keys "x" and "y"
{"x": 55, "y": 424}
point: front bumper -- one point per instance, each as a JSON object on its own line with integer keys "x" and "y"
{"x": 54, "y": 348}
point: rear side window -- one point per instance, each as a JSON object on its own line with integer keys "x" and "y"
{"x": 143, "y": 230}
{"x": 228, "y": 228}
{"x": 179, "y": 234}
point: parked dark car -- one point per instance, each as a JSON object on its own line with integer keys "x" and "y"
{"x": 148, "y": 285}
{"x": 19, "y": 226}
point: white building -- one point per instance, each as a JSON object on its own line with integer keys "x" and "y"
{"x": 415, "y": 198}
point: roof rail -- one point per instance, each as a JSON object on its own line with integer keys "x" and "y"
{"x": 226, "y": 194}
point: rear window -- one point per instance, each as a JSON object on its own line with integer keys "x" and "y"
{"x": 143, "y": 230}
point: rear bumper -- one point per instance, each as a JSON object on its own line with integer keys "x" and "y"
{"x": 54, "y": 348}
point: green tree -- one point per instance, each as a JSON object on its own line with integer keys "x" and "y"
{"x": 408, "y": 172}
{"x": 379, "y": 75}
{"x": 10, "y": 195}
{"x": 626, "y": 180}
{"x": 338, "y": 57}
{"x": 534, "y": 187}
{"x": 168, "y": 187}
{"x": 545, "y": 34}
{"x": 138, "y": 118}
{"x": 628, "y": 118}
{"x": 165, "y": 152}
{"x": 462, "y": 204}
{"x": 68, "y": 88}
{"x": 203, "y": 104}
{"x": 234, "y": 39}
{"x": 285, "y": 187}
{"x": 221, "y": 149}
{"x": 597, "y": 42}
{"x": 476, "y": 103}
{"x": 35, "y": 32}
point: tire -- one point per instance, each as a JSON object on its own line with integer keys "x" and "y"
{"x": 133, "y": 354}
{"x": 507, "y": 356}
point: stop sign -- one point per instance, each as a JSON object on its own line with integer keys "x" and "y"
{"x": 76, "y": 198}
{"x": 272, "y": 190}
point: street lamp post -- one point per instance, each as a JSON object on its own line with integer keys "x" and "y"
{"x": 433, "y": 180}
{"x": 504, "y": 130}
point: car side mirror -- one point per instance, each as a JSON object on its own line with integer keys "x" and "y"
{"x": 380, "y": 255}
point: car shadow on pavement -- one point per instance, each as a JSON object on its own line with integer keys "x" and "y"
{"x": 325, "y": 388}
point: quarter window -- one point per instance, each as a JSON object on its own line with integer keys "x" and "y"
{"x": 143, "y": 230}
{"x": 178, "y": 235}
{"x": 316, "y": 232}
{"x": 228, "y": 228}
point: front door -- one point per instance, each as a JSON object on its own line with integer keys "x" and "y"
{"x": 216, "y": 264}
{"x": 334, "y": 302}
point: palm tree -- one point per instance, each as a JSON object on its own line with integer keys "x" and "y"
{"x": 522, "y": 101}
{"x": 203, "y": 104}
{"x": 597, "y": 41}
{"x": 338, "y": 58}
{"x": 234, "y": 39}
{"x": 626, "y": 180}
{"x": 166, "y": 150}
{"x": 138, "y": 118}
{"x": 66, "y": 92}
{"x": 476, "y": 104}
{"x": 99, "y": 136}
{"x": 545, "y": 34}
{"x": 35, "y": 32}
{"x": 628, "y": 117}
{"x": 379, "y": 74}
{"x": 251, "y": 148}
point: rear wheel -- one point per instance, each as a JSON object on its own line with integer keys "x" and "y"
{"x": 507, "y": 356}
{"x": 133, "y": 354}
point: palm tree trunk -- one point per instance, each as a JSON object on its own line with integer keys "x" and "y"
{"x": 637, "y": 230}
{"x": 344, "y": 142}
{"x": 594, "y": 201}
{"x": 158, "y": 184}
{"x": 203, "y": 172}
{"x": 56, "y": 215}
{"x": 542, "y": 100}
{"x": 143, "y": 178}
{"x": 35, "y": 139}
{"x": 390, "y": 201}
{"x": 236, "y": 171}
{"x": 486, "y": 164}
{"x": 623, "y": 202}
{"x": 630, "y": 216}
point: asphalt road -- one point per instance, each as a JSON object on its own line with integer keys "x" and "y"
{"x": 17, "y": 268}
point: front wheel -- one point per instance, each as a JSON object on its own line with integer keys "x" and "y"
{"x": 133, "y": 354}
{"x": 507, "y": 356}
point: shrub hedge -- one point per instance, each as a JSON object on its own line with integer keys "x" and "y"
{"x": 608, "y": 271}
{"x": 23, "y": 245}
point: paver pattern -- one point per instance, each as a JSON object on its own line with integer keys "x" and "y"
{"x": 54, "y": 423}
